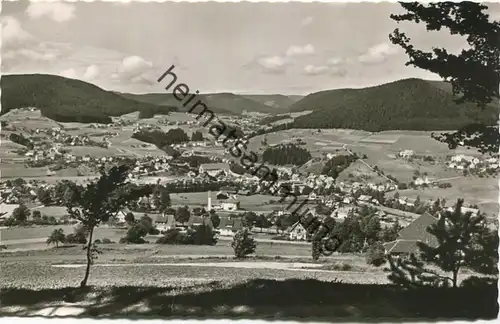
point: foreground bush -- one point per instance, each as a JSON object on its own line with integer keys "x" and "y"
{"x": 376, "y": 254}
{"x": 172, "y": 236}
{"x": 243, "y": 243}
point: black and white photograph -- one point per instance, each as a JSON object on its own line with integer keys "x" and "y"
{"x": 277, "y": 161}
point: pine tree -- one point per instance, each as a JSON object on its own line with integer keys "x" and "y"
{"x": 463, "y": 240}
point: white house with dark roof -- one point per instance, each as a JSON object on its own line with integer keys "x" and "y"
{"x": 230, "y": 204}
{"x": 296, "y": 232}
{"x": 213, "y": 169}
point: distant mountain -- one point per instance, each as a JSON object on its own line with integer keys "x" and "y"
{"x": 280, "y": 103}
{"x": 220, "y": 103}
{"x": 410, "y": 104}
{"x": 68, "y": 100}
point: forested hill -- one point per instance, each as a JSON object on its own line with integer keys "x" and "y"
{"x": 410, "y": 104}
{"x": 219, "y": 103}
{"x": 68, "y": 100}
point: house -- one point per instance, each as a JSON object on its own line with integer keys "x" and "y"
{"x": 222, "y": 195}
{"x": 6, "y": 210}
{"x": 473, "y": 211}
{"x": 213, "y": 169}
{"x": 341, "y": 213}
{"x": 406, "y": 154}
{"x": 364, "y": 199}
{"x": 408, "y": 237}
{"x": 230, "y": 204}
{"x": 164, "y": 223}
{"x": 296, "y": 232}
{"x": 120, "y": 216}
{"x": 200, "y": 220}
{"x": 228, "y": 227}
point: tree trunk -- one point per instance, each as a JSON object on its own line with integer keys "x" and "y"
{"x": 89, "y": 259}
{"x": 455, "y": 278}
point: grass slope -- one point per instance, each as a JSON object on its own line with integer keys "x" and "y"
{"x": 410, "y": 104}
{"x": 67, "y": 100}
{"x": 219, "y": 103}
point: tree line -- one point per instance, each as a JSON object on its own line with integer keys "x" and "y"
{"x": 286, "y": 154}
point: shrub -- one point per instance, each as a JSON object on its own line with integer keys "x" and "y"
{"x": 135, "y": 235}
{"x": 103, "y": 241}
{"x": 201, "y": 235}
{"x": 171, "y": 236}
{"x": 78, "y": 237}
{"x": 243, "y": 243}
{"x": 376, "y": 254}
{"x": 475, "y": 281}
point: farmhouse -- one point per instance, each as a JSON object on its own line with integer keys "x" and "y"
{"x": 296, "y": 232}
{"x": 230, "y": 204}
{"x": 199, "y": 220}
{"x": 164, "y": 223}
{"x": 213, "y": 169}
{"x": 409, "y": 236}
{"x": 406, "y": 154}
{"x": 228, "y": 227}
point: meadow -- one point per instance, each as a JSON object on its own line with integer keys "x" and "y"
{"x": 201, "y": 199}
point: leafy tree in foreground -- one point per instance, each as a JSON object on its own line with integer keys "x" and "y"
{"x": 474, "y": 73}
{"x": 463, "y": 241}
{"x": 56, "y": 237}
{"x": 21, "y": 213}
{"x": 243, "y": 243}
{"x": 99, "y": 201}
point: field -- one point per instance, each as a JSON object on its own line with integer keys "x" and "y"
{"x": 20, "y": 171}
{"x": 480, "y": 191}
{"x": 280, "y": 281}
{"x": 201, "y": 199}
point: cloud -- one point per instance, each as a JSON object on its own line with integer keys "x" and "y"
{"x": 306, "y": 21}
{"x": 91, "y": 72}
{"x": 13, "y": 35}
{"x": 134, "y": 69}
{"x": 268, "y": 64}
{"x": 57, "y": 11}
{"x": 335, "y": 61}
{"x": 69, "y": 73}
{"x": 315, "y": 70}
{"x": 273, "y": 64}
{"x": 300, "y": 50}
{"x": 378, "y": 53}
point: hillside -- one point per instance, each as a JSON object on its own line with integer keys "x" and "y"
{"x": 279, "y": 103}
{"x": 67, "y": 100}
{"x": 219, "y": 103}
{"x": 410, "y": 104}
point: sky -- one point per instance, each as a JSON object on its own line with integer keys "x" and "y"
{"x": 286, "y": 48}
